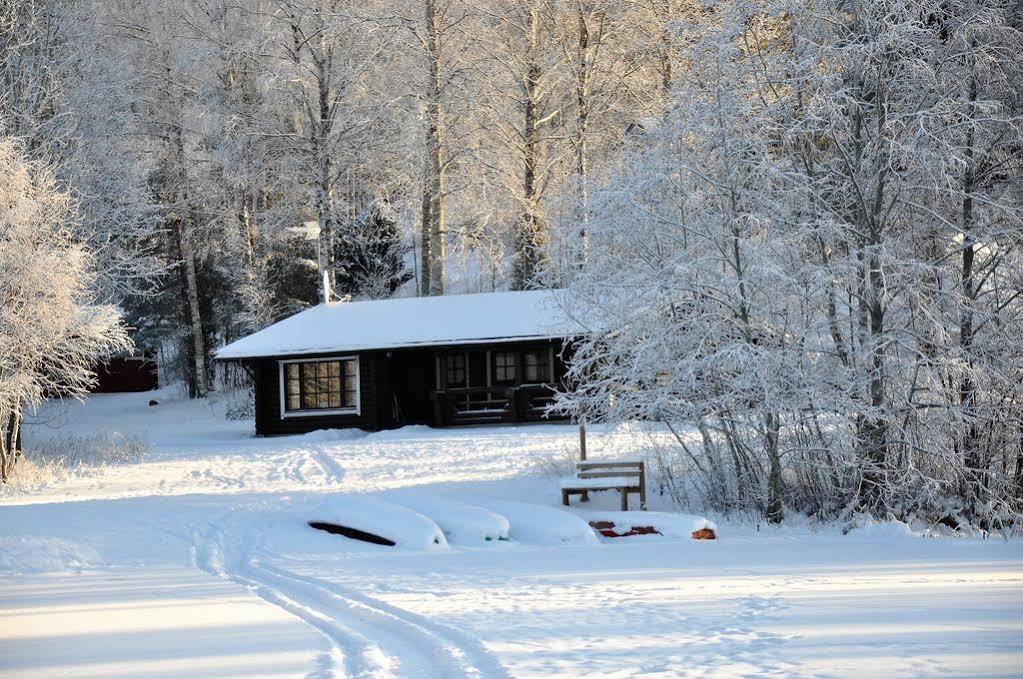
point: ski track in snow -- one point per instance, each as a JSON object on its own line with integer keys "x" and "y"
{"x": 333, "y": 472}
{"x": 369, "y": 638}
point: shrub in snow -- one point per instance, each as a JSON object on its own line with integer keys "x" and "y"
{"x": 240, "y": 404}
{"x": 51, "y": 330}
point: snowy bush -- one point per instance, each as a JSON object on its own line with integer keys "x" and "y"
{"x": 240, "y": 404}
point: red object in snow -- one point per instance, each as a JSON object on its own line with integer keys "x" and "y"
{"x": 606, "y": 528}
{"x": 704, "y": 534}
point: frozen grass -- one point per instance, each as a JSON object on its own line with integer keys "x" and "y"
{"x": 61, "y": 457}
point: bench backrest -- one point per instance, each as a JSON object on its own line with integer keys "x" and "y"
{"x": 603, "y": 470}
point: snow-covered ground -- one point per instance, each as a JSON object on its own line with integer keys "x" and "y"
{"x": 198, "y": 562}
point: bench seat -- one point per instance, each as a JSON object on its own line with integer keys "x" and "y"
{"x": 593, "y": 475}
{"x": 600, "y": 483}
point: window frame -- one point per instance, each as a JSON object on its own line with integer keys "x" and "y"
{"x": 543, "y": 362}
{"x": 321, "y": 412}
{"x": 447, "y": 369}
{"x": 514, "y": 365}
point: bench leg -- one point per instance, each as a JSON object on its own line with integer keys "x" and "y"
{"x": 564, "y": 497}
{"x": 625, "y": 499}
{"x": 585, "y": 496}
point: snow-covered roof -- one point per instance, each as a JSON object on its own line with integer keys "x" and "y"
{"x": 411, "y": 322}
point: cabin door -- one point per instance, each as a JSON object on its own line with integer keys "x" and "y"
{"x": 411, "y": 376}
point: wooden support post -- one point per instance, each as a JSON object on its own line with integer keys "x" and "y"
{"x": 582, "y": 452}
{"x": 564, "y": 497}
{"x": 642, "y": 486}
{"x": 625, "y": 499}
{"x": 582, "y": 440}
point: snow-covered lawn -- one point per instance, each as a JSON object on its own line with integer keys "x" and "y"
{"x": 198, "y": 562}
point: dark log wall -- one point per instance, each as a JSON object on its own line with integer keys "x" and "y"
{"x": 268, "y": 400}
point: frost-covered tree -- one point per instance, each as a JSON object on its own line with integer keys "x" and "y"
{"x": 69, "y": 96}
{"x": 51, "y": 330}
{"x": 694, "y": 279}
{"x": 814, "y": 263}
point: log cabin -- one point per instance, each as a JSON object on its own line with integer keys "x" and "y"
{"x": 441, "y": 361}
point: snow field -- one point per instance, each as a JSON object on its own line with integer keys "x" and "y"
{"x": 199, "y": 561}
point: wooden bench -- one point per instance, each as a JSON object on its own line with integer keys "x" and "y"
{"x": 625, "y": 477}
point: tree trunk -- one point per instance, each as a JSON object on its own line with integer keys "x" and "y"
{"x": 531, "y": 237}
{"x": 194, "y": 311}
{"x": 582, "y": 98}
{"x": 772, "y": 425}
{"x": 667, "y": 37}
{"x": 426, "y": 232}
{"x": 433, "y": 198}
{"x": 324, "y": 185}
{"x": 967, "y": 387}
{"x": 10, "y": 444}
{"x": 6, "y": 451}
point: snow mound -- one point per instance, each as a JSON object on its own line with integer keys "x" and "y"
{"x": 408, "y": 431}
{"x": 462, "y": 523}
{"x": 334, "y": 435}
{"x": 408, "y": 528}
{"x": 667, "y": 524}
{"x": 883, "y": 529}
{"x": 44, "y": 555}
{"x": 540, "y": 524}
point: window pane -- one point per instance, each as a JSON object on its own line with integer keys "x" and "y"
{"x": 536, "y": 366}
{"x": 504, "y": 366}
{"x": 291, "y": 371}
{"x": 334, "y": 399}
{"x": 292, "y": 386}
{"x": 349, "y": 401}
{"x": 308, "y": 400}
{"x": 334, "y": 368}
{"x": 309, "y": 385}
{"x": 294, "y": 403}
{"x": 456, "y": 370}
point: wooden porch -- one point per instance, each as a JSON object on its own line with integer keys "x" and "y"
{"x": 512, "y": 382}
{"x": 469, "y": 405}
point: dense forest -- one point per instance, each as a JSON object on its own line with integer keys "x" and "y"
{"x": 795, "y": 227}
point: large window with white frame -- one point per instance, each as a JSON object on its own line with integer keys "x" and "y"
{"x": 322, "y": 386}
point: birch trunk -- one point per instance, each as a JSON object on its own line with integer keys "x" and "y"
{"x": 530, "y": 235}
{"x": 967, "y": 386}
{"x": 433, "y": 233}
{"x": 324, "y": 184}
{"x": 772, "y": 427}
{"x": 186, "y": 250}
{"x": 582, "y": 98}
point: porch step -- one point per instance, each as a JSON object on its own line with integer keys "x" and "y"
{"x": 477, "y": 419}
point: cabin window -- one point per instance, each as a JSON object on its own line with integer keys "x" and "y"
{"x": 536, "y": 367}
{"x": 320, "y": 387}
{"x": 504, "y": 367}
{"x": 456, "y": 370}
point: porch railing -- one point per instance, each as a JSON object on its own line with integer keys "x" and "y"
{"x": 482, "y": 405}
